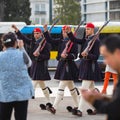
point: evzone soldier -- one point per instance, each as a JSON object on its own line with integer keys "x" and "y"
{"x": 39, "y": 69}
{"x": 89, "y": 71}
{"x": 66, "y": 69}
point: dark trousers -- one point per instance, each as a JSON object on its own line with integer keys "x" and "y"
{"x": 20, "y": 110}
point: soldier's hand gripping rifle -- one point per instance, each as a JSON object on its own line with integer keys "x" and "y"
{"x": 75, "y": 32}
{"x": 37, "y": 51}
{"x": 69, "y": 44}
{"x": 91, "y": 42}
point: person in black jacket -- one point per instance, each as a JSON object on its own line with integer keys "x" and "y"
{"x": 66, "y": 70}
{"x": 39, "y": 69}
{"x": 89, "y": 71}
{"x": 110, "y": 49}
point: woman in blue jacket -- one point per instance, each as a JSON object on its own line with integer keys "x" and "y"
{"x": 15, "y": 84}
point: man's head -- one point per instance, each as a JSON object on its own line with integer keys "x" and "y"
{"x": 64, "y": 31}
{"x": 37, "y": 33}
{"x": 110, "y": 49}
{"x": 89, "y": 29}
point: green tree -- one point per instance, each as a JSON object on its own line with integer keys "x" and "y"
{"x": 17, "y": 10}
{"x": 68, "y": 11}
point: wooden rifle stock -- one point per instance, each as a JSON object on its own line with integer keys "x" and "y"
{"x": 66, "y": 47}
{"x": 69, "y": 44}
{"x": 37, "y": 51}
{"x": 91, "y": 42}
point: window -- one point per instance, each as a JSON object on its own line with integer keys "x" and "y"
{"x": 115, "y": 16}
{"x": 115, "y": 4}
{"x": 43, "y": 21}
{"x": 42, "y": 7}
{"x": 37, "y": 20}
{"x": 37, "y": 7}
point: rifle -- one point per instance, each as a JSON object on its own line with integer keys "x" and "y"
{"x": 43, "y": 41}
{"x": 91, "y": 43}
{"x": 76, "y": 30}
{"x": 67, "y": 49}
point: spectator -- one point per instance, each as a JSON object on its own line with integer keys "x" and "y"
{"x": 108, "y": 72}
{"x": 110, "y": 106}
{"x": 15, "y": 84}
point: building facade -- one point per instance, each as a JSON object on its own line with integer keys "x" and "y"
{"x": 100, "y": 10}
{"x": 39, "y": 11}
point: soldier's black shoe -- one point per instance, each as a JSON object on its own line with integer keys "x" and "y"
{"x": 50, "y": 108}
{"x": 43, "y": 107}
{"x": 91, "y": 112}
{"x": 48, "y": 105}
{"x": 69, "y": 108}
{"x": 77, "y": 112}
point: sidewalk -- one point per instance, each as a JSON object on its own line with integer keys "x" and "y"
{"x": 34, "y": 112}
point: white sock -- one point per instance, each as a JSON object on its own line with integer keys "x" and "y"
{"x": 58, "y": 98}
{"x": 75, "y": 97}
{"x": 46, "y": 94}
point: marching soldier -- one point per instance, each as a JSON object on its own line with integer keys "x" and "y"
{"x": 89, "y": 70}
{"x": 39, "y": 69}
{"x": 66, "y": 70}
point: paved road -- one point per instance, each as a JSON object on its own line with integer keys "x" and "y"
{"x": 34, "y": 112}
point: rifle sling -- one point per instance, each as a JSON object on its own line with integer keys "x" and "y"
{"x": 43, "y": 45}
{"x": 70, "y": 47}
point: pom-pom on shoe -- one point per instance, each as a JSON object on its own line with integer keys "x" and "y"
{"x": 43, "y": 107}
{"x": 91, "y": 112}
{"x": 69, "y": 108}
